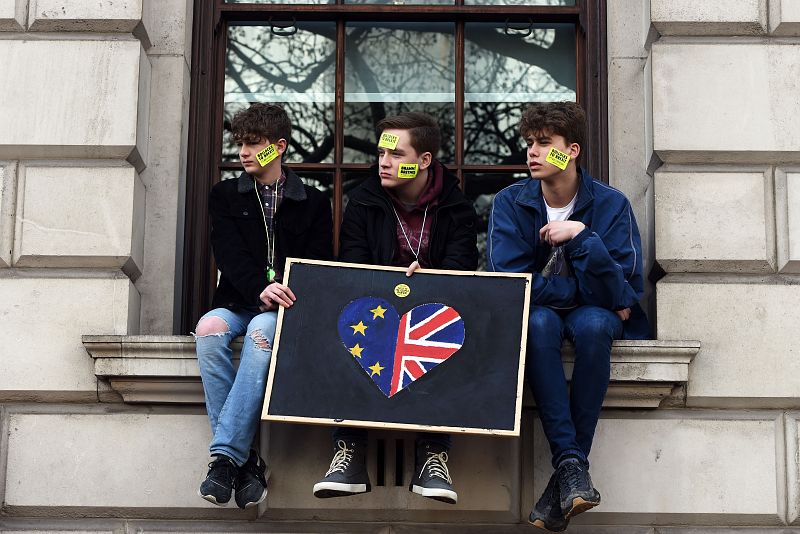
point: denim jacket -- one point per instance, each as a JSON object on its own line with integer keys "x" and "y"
{"x": 605, "y": 258}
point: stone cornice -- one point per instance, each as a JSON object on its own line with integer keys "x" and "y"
{"x": 163, "y": 369}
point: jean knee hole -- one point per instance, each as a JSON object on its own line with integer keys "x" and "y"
{"x": 259, "y": 340}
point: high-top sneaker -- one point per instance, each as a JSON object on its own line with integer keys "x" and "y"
{"x": 547, "y": 512}
{"x": 431, "y": 477}
{"x": 575, "y": 487}
{"x": 347, "y": 474}
{"x": 217, "y": 486}
{"x": 251, "y": 482}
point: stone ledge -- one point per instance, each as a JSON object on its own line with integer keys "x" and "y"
{"x": 163, "y": 369}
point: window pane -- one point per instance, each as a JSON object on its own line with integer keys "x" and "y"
{"x": 481, "y": 189}
{"x": 295, "y": 70}
{"x": 402, "y": 2}
{"x": 507, "y": 68}
{"x": 519, "y": 2}
{"x": 280, "y": 1}
{"x": 394, "y": 67}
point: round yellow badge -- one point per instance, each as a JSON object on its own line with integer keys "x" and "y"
{"x": 402, "y": 290}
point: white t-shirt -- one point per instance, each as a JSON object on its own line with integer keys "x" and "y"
{"x": 561, "y": 214}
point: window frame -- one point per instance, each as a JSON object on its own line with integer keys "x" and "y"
{"x": 209, "y": 39}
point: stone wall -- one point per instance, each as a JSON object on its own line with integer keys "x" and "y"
{"x": 704, "y": 139}
{"x": 725, "y": 76}
{"x": 93, "y": 123}
{"x": 92, "y": 152}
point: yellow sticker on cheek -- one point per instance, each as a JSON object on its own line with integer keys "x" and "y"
{"x": 557, "y": 158}
{"x": 408, "y": 170}
{"x": 267, "y": 155}
{"x": 388, "y": 141}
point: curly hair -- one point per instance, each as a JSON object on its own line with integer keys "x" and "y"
{"x": 261, "y": 121}
{"x": 423, "y": 130}
{"x": 566, "y": 119}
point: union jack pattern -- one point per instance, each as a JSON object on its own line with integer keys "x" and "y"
{"x": 427, "y": 336}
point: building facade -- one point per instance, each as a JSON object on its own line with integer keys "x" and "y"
{"x": 112, "y": 129}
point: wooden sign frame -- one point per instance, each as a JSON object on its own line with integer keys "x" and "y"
{"x": 511, "y": 279}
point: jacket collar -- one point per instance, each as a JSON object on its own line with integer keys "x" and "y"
{"x": 373, "y": 185}
{"x": 292, "y": 188}
{"x": 531, "y": 193}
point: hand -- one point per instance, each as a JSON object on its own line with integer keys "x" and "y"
{"x": 277, "y": 294}
{"x": 624, "y": 314}
{"x": 413, "y": 267}
{"x": 558, "y": 232}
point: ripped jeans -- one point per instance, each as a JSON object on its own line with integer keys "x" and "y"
{"x": 234, "y": 397}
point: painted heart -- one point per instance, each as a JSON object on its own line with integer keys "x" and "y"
{"x": 395, "y": 351}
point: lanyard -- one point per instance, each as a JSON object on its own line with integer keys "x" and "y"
{"x": 421, "y": 231}
{"x": 270, "y": 235}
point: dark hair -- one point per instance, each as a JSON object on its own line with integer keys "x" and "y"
{"x": 422, "y": 129}
{"x": 261, "y": 121}
{"x": 566, "y": 119}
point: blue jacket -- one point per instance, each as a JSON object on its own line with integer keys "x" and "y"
{"x": 606, "y": 257}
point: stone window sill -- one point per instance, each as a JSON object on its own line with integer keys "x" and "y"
{"x": 163, "y": 369}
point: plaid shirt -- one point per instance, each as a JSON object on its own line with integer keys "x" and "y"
{"x": 271, "y": 197}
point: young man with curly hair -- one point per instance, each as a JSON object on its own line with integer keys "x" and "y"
{"x": 257, "y": 221}
{"x": 579, "y": 238}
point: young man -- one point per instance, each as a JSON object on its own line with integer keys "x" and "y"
{"x": 410, "y": 213}
{"x": 257, "y": 221}
{"x": 579, "y": 238}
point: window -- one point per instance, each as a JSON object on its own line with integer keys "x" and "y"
{"x": 341, "y": 66}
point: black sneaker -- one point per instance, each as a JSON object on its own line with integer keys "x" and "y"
{"x": 347, "y": 474}
{"x": 217, "y": 486}
{"x": 251, "y": 483}
{"x": 431, "y": 477}
{"x": 575, "y": 488}
{"x": 547, "y": 512}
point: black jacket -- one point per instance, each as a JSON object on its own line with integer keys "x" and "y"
{"x": 303, "y": 229}
{"x": 369, "y": 228}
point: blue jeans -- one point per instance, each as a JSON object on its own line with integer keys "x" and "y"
{"x": 569, "y": 416}
{"x": 234, "y": 397}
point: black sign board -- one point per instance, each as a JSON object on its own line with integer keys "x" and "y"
{"x": 367, "y": 346}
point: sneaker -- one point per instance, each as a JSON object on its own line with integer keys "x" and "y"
{"x": 217, "y": 486}
{"x": 575, "y": 488}
{"x": 547, "y": 512}
{"x": 347, "y": 474}
{"x": 251, "y": 483}
{"x": 431, "y": 477}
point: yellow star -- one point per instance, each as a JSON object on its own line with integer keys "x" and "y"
{"x": 360, "y": 328}
{"x": 376, "y": 369}
{"x": 356, "y": 351}
{"x": 378, "y": 312}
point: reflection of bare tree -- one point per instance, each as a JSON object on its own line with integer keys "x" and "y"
{"x": 392, "y": 59}
{"x": 285, "y": 68}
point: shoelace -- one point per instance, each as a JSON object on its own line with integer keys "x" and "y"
{"x": 571, "y": 475}
{"x": 221, "y": 467}
{"x": 437, "y": 466}
{"x": 341, "y": 460}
